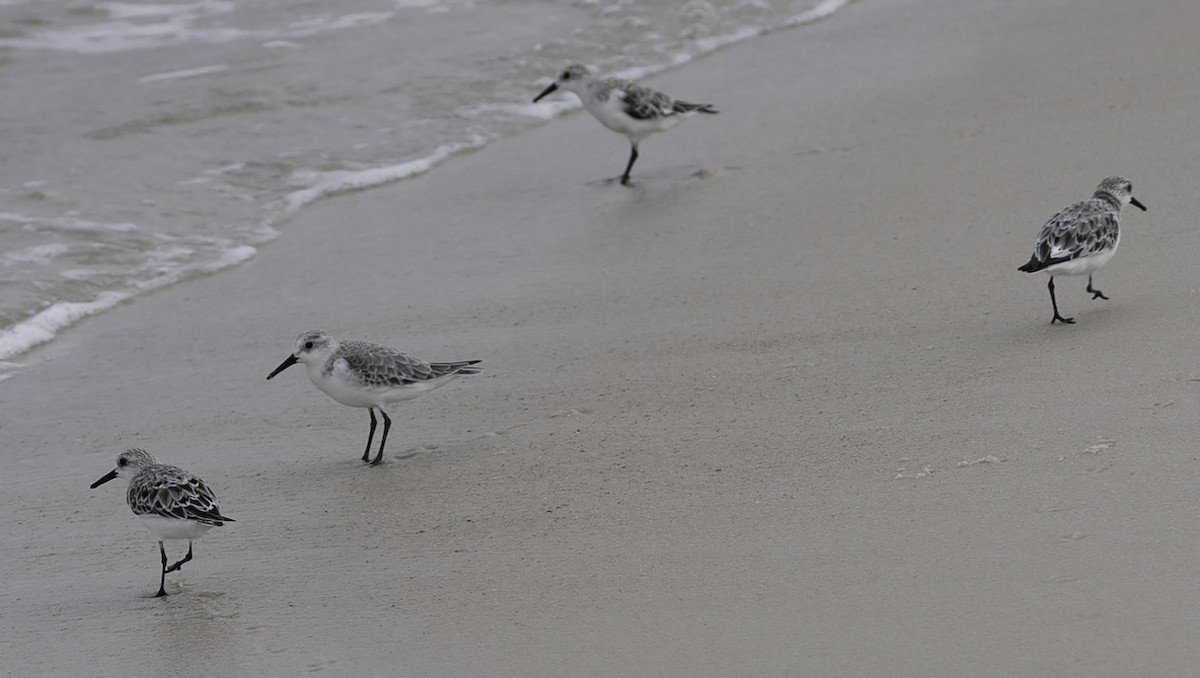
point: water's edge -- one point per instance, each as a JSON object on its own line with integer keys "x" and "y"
{"x": 44, "y": 326}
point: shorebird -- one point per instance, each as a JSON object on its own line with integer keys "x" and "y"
{"x": 625, "y": 107}
{"x": 363, "y": 374}
{"x": 172, "y": 503}
{"x": 1082, "y": 237}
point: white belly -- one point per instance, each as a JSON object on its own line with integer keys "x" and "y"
{"x": 1080, "y": 266}
{"x": 174, "y": 528}
{"x": 613, "y": 116}
{"x": 1084, "y": 265}
{"x": 344, "y": 387}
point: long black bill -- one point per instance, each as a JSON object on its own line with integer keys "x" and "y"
{"x": 551, "y": 88}
{"x": 107, "y": 477}
{"x": 1136, "y": 203}
{"x": 291, "y": 360}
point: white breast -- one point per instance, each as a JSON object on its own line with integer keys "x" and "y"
{"x": 174, "y": 528}
{"x": 342, "y": 385}
{"x": 1084, "y": 265}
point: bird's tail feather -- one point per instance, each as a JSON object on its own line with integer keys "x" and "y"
{"x": 685, "y": 107}
{"x": 1031, "y": 266}
{"x": 461, "y": 367}
{"x": 1034, "y": 264}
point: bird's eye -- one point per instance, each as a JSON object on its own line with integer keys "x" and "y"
{"x": 308, "y": 345}
{"x": 122, "y": 462}
{"x": 566, "y": 75}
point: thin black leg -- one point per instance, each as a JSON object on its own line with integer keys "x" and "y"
{"x": 1096, "y": 294}
{"x": 387, "y": 425}
{"x": 186, "y": 558}
{"x": 1054, "y": 303}
{"x": 632, "y": 157}
{"x": 162, "y": 582}
{"x": 371, "y": 435}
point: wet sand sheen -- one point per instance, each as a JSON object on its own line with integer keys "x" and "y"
{"x": 682, "y": 458}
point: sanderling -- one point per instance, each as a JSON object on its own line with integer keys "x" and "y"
{"x": 363, "y": 374}
{"x": 172, "y": 503}
{"x": 625, "y": 107}
{"x": 1082, "y": 237}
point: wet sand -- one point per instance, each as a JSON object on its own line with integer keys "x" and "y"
{"x": 785, "y": 408}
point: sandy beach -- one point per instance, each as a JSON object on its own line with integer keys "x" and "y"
{"x": 784, "y": 408}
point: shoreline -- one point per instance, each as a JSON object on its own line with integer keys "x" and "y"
{"x": 45, "y": 324}
{"x": 784, "y": 408}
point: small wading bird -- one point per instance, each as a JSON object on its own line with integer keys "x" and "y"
{"x": 1082, "y": 237}
{"x": 625, "y": 107}
{"x": 172, "y": 503}
{"x": 363, "y": 374}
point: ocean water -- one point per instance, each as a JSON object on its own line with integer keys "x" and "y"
{"x": 146, "y": 143}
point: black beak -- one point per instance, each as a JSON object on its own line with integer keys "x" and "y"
{"x": 107, "y": 477}
{"x": 553, "y": 86}
{"x": 1136, "y": 203}
{"x": 291, "y": 360}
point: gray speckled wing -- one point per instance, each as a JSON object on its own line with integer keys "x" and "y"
{"x": 1081, "y": 230}
{"x": 644, "y": 103}
{"x": 171, "y": 492}
{"x": 379, "y": 365}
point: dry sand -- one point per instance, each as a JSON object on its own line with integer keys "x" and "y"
{"x": 730, "y": 419}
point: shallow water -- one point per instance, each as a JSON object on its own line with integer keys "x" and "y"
{"x": 146, "y": 143}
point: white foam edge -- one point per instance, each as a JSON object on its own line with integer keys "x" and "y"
{"x": 47, "y": 324}
{"x": 822, "y": 10}
{"x": 346, "y": 181}
{"x": 185, "y": 73}
{"x": 704, "y": 46}
{"x": 542, "y": 110}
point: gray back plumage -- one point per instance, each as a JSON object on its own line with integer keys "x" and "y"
{"x": 380, "y": 365}
{"x": 644, "y": 103}
{"x": 1082, "y": 229}
{"x": 171, "y": 492}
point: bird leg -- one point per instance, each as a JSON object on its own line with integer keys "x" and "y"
{"x": 371, "y": 435}
{"x": 387, "y": 425}
{"x": 1054, "y": 303}
{"x": 186, "y": 558}
{"x": 633, "y": 156}
{"x": 162, "y": 582}
{"x": 1096, "y": 294}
